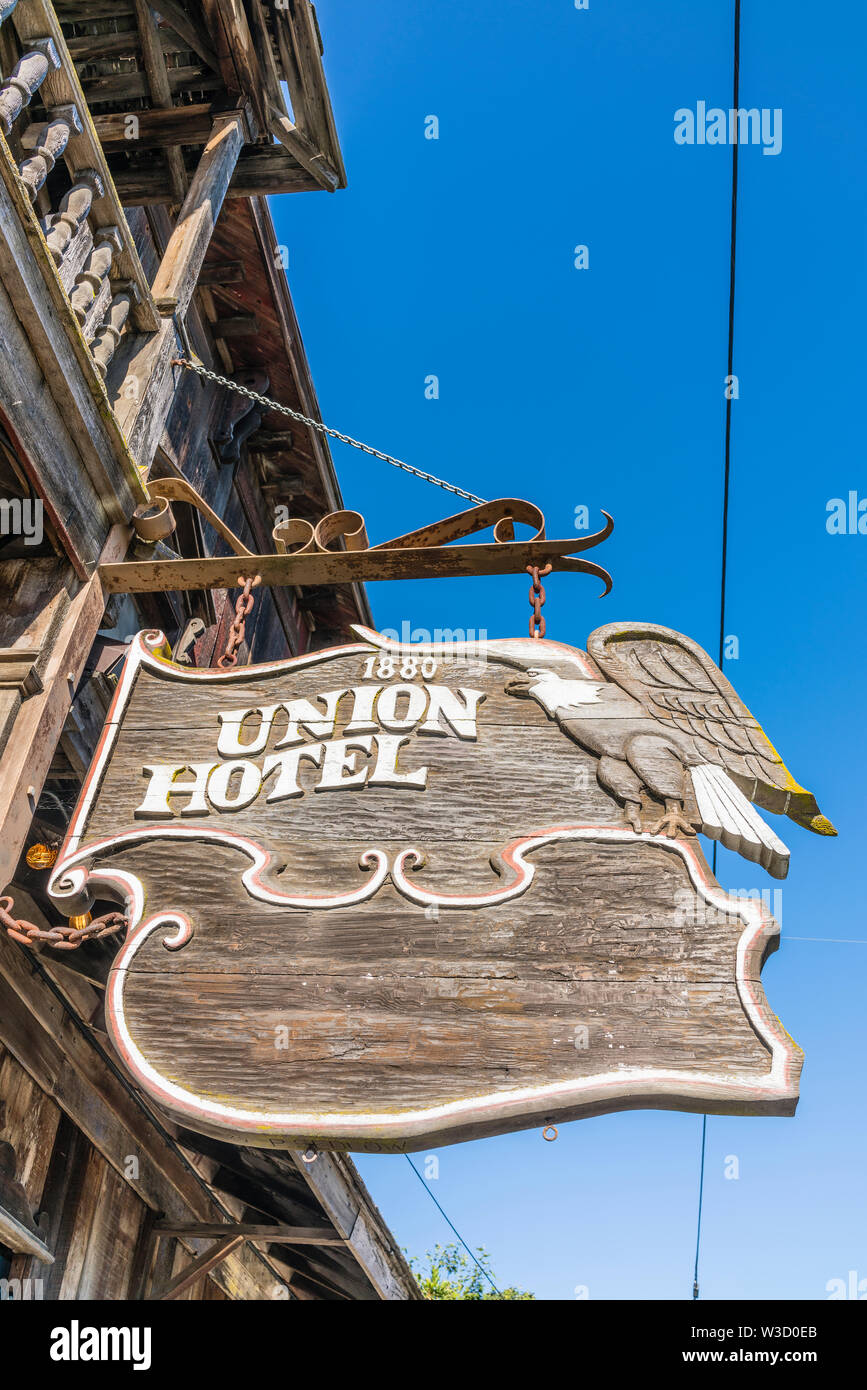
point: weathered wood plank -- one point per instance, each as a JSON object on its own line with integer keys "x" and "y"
{"x": 282, "y": 1235}
{"x": 157, "y": 129}
{"x": 187, "y": 26}
{"x": 160, "y": 88}
{"x": 145, "y": 398}
{"x": 85, "y": 1217}
{"x": 262, "y": 170}
{"x": 27, "y": 755}
{"x": 203, "y": 1264}
{"x": 423, "y": 915}
{"x": 36, "y": 1030}
{"x": 226, "y": 22}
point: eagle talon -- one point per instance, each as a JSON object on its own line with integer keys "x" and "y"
{"x": 633, "y": 815}
{"x": 672, "y": 823}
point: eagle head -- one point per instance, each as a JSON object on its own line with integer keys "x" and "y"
{"x": 553, "y": 692}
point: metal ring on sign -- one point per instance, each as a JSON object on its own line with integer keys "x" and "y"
{"x": 550, "y": 1133}
{"x": 310, "y": 1155}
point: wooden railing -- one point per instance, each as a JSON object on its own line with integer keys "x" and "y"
{"x": 87, "y": 234}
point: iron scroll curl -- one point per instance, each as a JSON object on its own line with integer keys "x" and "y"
{"x": 347, "y": 530}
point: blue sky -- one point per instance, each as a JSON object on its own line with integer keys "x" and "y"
{"x": 604, "y": 387}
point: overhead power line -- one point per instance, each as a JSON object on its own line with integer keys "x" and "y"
{"x": 452, "y": 1226}
{"x": 727, "y": 456}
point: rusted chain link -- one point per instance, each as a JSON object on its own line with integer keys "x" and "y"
{"x": 317, "y": 425}
{"x": 537, "y": 599}
{"x": 243, "y": 609}
{"x": 61, "y": 938}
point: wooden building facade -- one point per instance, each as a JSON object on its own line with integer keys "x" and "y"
{"x": 139, "y": 143}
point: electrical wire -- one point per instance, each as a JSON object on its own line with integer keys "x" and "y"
{"x": 736, "y": 80}
{"x": 452, "y": 1226}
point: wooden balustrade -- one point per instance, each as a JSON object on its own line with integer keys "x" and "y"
{"x": 48, "y": 142}
{"x": 92, "y": 291}
{"x": 63, "y": 228}
{"x": 46, "y": 66}
{"x": 25, "y": 80}
{"x": 88, "y": 238}
{"x": 108, "y": 336}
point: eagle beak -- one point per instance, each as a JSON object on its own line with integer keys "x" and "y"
{"x": 519, "y": 686}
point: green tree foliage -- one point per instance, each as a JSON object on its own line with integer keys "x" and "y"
{"x": 450, "y": 1274}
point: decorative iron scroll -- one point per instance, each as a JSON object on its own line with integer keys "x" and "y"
{"x": 425, "y": 552}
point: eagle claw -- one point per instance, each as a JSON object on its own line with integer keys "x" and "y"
{"x": 672, "y": 824}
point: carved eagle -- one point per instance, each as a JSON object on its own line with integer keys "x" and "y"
{"x": 663, "y": 711}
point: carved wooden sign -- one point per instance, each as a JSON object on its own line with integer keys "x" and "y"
{"x": 385, "y": 896}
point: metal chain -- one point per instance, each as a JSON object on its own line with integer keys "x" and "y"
{"x": 243, "y": 609}
{"x": 537, "y": 599}
{"x": 317, "y": 425}
{"x": 61, "y": 938}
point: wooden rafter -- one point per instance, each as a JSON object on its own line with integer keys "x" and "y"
{"x": 236, "y": 52}
{"x": 197, "y": 1268}
{"x": 178, "y": 16}
{"x": 298, "y": 42}
{"x": 160, "y": 89}
{"x": 261, "y": 170}
{"x": 180, "y": 125}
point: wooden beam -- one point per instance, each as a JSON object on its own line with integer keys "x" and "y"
{"x": 307, "y": 153}
{"x": 197, "y": 1269}
{"x": 236, "y": 326}
{"x": 125, "y": 86}
{"x": 124, "y": 44}
{"x": 262, "y": 170}
{"x": 301, "y": 149}
{"x": 38, "y": 1031}
{"x": 223, "y": 273}
{"x": 157, "y": 129}
{"x": 27, "y": 756}
{"x": 336, "y": 1184}
{"x": 143, "y": 401}
{"x": 18, "y": 1238}
{"x": 282, "y": 1235}
{"x": 298, "y": 42}
{"x": 188, "y": 245}
{"x": 160, "y": 90}
{"x": 178, "y": 16}
{"x": 236, "y": 52}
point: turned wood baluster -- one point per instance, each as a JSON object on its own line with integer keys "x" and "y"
{"x": 63, "y": 226}
{"x": 48, "y": 143}
{"x": 27, "y": 77}
{"x": 105, "y": 343}
{"x": 90, "y": 280}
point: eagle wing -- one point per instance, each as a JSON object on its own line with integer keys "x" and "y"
{"x": 681, "y": 687}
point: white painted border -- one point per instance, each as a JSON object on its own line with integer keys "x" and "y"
{"x": 494, "y": 1109}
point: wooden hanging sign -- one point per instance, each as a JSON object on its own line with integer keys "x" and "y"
{"x": 386, "y": 896}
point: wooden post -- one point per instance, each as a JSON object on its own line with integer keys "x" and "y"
{"x": 30, "y": 747}
{"x": 200, "y": 1266}
{"x": 158, "y": 83}
{"x": 144, "y": 399}
{"x": 178, "y": 274}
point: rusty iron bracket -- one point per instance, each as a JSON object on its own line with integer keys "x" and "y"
{"x": 337, "y": 551}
